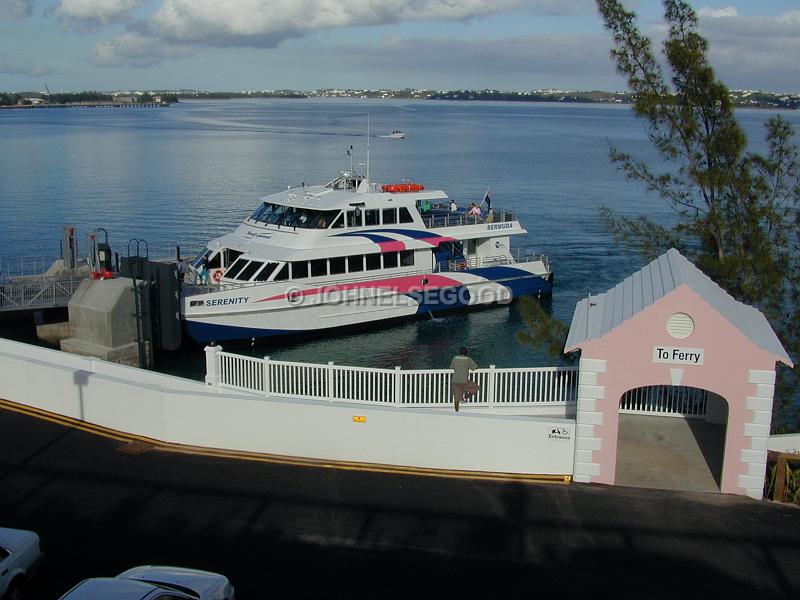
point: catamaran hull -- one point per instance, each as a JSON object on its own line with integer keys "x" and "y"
{"x": 225, "y": 316}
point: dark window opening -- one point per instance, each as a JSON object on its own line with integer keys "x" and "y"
{"x": 373, "y": 262}
{"x": 371, "y": 217}
{"x": 216, "y": 261}
{"x": 247, "y": 273}
{"x": 337, "y": 265}
{"x": 355, "y": 263}
{"x": 405, "y": 216}
{"x": 230, "y": 257}
{"x": 390, "y": 260}
{"x": 264, "y": 273}
{"x": 319, "y": 267}
{"x": 236, "y": 267}
{"x": 389, "y": 216}
{"x": 283, "y": 274}
{"x": 407, "y": 258}
{"x": 300, "y": 270}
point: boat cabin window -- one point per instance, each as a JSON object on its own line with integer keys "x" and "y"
{"x": 303, "y": 218}
{"x": 390, "y": 260}
{"x": 263, "y": 274}
{"x": 263, "y": 212}
{"x": 389, "y": 216}
{"x": 337, "y": 265}
{"x": 354, "y": 218}
{"x": 345, "y": 181}
{"x": 230, "y": 258}
{"x": 319, "y": 267}
{"x": 407, "y": 258}
{"x": 300, "y": 270}
{"x": 355, "y": 264}
{"x": 405, "y": 215}
{"x": 247, "y": 273}
{"x": 235, "y": 268}
{"x": 282, "y": 274}
{"x": 372, "y": 217}
{"x": 373, "y": 262}
{"x": 338, "y": 223}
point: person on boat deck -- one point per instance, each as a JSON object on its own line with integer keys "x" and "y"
{"x": 204, "y": 274}
{"x": 453, "y": 206}
{"x": 181, "y": 267}
{"x": 462, "y": 385}
{"x": 474, "y": 210}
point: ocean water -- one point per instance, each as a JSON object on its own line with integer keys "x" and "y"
{"x": 190, "y": 172}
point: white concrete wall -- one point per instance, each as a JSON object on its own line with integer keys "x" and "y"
{"x": 788, "y": 442}
{"x": 187, "y": 412}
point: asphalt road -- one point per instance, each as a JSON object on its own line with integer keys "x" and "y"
{"x": 300, "y": 532}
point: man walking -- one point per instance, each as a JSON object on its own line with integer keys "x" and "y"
{"x": 462, "y": 385}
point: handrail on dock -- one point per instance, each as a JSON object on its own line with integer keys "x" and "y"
{"x": 499, "y": 387}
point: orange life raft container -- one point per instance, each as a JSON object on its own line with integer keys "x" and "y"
{"x": 396, "y": 188}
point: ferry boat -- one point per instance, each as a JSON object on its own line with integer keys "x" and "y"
{"x": 351, "y": 253}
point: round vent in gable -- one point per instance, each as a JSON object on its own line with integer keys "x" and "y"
{"x": 680, "y": 325}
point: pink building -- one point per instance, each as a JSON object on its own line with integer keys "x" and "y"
{"x": 670, "y": 326}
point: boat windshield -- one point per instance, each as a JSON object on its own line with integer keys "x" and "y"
{"x": 292, "y": 216}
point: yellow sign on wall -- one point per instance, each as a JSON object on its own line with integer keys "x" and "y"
{"x": 359, "y": 419}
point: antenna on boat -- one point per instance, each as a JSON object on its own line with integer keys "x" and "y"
{"x": 368, "y": 182}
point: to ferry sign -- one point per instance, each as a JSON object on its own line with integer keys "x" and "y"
{"x": 678, "y": 356}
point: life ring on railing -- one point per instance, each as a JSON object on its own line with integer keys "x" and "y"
{"x": 217, "y": 276}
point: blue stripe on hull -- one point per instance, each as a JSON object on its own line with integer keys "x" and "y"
{"x": 208, "y": 332}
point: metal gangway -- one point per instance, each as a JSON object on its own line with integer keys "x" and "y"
{"x": 37, "y": 292}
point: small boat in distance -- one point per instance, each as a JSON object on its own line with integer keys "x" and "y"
{"x": 397, "y": 135}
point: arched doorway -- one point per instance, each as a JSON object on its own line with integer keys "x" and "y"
{"x": 671, "y": 437}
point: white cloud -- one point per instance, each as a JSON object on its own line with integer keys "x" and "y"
{"x": 717, "y": 13}
{"x": 750, "y": 52}
{"x": 135, "y": 50}
{"x": 9, "y": 67}
{"x": 14, "y": 10}
{"x": 93, "y": 13}
{"x": 267, "y": 22}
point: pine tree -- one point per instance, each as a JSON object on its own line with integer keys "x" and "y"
{"x": 738, "y": 214}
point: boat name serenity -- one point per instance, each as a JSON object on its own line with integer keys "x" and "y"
{"x": 352, "y": 253}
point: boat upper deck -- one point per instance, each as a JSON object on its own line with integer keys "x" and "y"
{"x": 435, "y": 219}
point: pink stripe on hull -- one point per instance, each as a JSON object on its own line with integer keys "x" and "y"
{"x": 393, "y": 246}
{"x": 435, "y": 241}
{"x": 400, "y": 285}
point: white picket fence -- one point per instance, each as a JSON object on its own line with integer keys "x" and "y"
{"x": 550, "y": 386}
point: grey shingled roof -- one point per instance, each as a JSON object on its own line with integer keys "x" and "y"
{"x": 597, "y": 315}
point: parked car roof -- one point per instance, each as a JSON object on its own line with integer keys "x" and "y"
{"x": 10, "y": 539}
{"x": 204, "y": 583}
{"x": 102, "y": 588}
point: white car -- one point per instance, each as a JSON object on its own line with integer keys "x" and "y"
{"x": 155, "y": 583}
{"x": 19, "y": 557}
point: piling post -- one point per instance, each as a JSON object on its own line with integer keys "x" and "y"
{"x": 490, "y": 385}
{"x": 329, "y": 377}
{"x": 267, "y": 383}
{"x": 213, "y": 359}
{"x": 398, "y": 387}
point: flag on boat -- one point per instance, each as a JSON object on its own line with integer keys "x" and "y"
{"x": 487, "y": 200}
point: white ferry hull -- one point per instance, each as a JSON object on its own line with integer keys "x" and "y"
{"x": 285, "y": 309}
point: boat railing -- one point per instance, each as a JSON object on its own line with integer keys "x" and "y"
{"x": 452, "y": 219}
{"x": 474, "y": 262}
{"x": 499, "y": 387}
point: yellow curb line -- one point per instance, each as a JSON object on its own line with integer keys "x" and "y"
{"x": 279, "y": 459}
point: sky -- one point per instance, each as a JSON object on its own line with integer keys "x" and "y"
{"x": 233, "y": 45}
